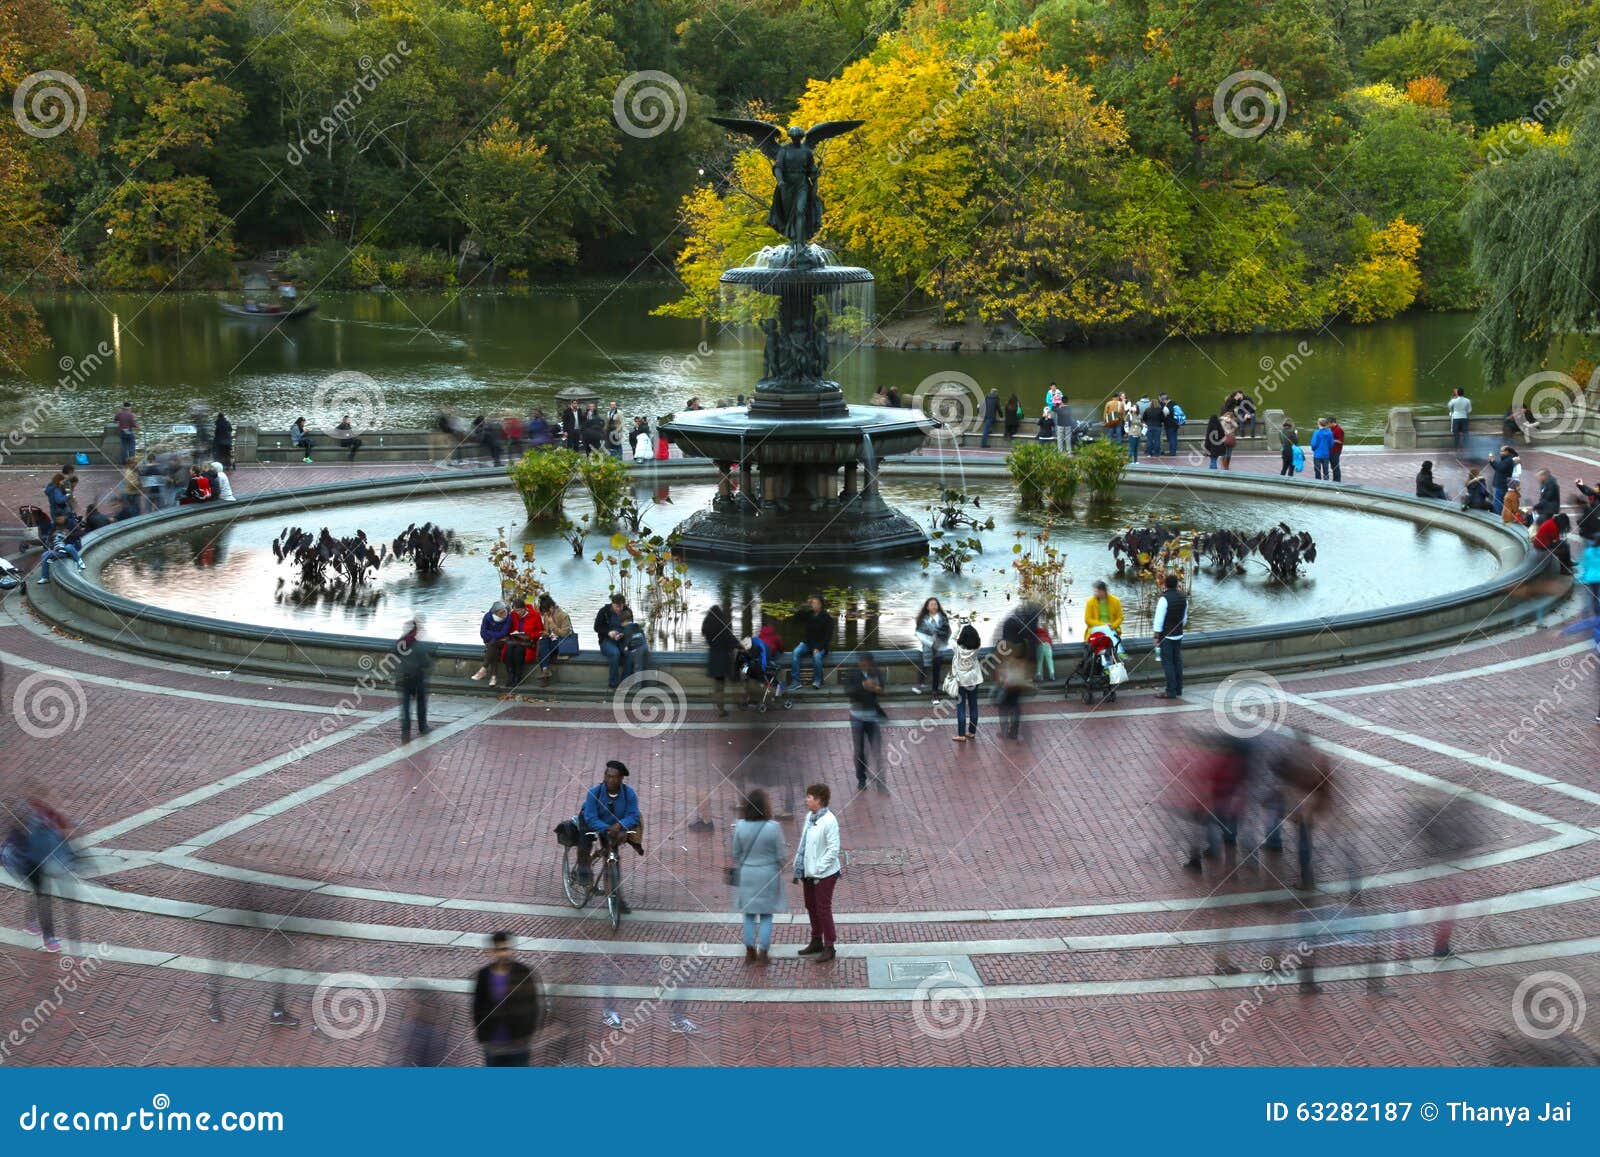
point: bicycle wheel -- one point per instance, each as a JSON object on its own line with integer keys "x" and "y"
{"x": 613, "y": 871}
{"x": 577, "y": 894}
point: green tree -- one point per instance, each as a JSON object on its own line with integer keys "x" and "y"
{"x": 1421, "y": 50}
{"x": 509, "y": 199}
{"x": 1520, "y": 214}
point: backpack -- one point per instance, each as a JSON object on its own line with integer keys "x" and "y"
{"x": 1299, "y": 457}
{"x": 1177, "y": 412}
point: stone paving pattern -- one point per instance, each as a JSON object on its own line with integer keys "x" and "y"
{"x": 1070, "y": 817}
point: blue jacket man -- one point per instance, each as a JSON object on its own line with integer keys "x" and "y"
{"x": 611, "y": 812}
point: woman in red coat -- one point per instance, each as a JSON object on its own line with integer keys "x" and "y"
{"x": 526, "y": 627}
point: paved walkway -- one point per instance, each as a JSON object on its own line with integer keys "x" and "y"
{"x": 247, "y": 841}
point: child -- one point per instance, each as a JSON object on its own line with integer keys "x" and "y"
{"x": 1044, "y": 667}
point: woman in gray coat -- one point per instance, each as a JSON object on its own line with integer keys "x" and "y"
{"x": 759, "y": 859}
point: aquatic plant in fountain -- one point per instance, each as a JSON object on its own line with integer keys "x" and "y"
{"x": 325, "y": 561}
{"x": 426, "y": 546}
{"x": 542, "y": 478}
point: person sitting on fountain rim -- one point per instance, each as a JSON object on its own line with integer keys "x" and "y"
{"x": 347, "y": 436}
{"x": 1426, "y": 486}
{"x": 557, "y": 630}
{"x": 608, "y": 626}
{"x": 635, "y": 645}
{"x": 817, "y": 628}
{"x": 526, "y": 627}
{"x": 609, "y": 818}
{"x": 493, "y": 630}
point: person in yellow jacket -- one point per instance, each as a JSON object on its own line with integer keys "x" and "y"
{"x": 1103, "y": 610}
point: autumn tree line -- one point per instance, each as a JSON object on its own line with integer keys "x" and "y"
{"x": 1071, "y": 168}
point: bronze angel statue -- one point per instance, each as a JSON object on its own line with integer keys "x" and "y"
{"x": 796, "y": 210}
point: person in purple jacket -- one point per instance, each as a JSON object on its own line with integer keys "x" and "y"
{"x": 493, "y": 630}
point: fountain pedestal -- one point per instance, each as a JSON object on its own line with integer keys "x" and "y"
{"x": 799, "y": 464}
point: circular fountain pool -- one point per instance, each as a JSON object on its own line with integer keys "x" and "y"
{"x": 225, "y": 570}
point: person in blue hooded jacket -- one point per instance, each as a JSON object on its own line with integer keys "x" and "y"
{"x": 1322, "y": 451}
{"x": 1591, "y": 626}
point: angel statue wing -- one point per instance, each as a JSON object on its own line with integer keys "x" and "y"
{"x": 765, "y": 136}
{"x": 816, "y": 134}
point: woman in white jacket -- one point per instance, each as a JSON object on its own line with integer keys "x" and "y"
{"x": 966, "y": 673}
{"x": 816, "y": 867}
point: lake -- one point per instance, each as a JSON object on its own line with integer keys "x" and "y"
{"x": 509, "y": 352}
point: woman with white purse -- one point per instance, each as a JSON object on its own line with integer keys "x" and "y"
{"x": 966, "y": 676}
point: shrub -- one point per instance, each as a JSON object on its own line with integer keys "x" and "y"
{"x": 1061, "y": 484}
{"x": 1030, "y": 465}
{"x": 542, "y": 477}
{"x": 1102, "y": 465}
{"x": 607, "y": 479}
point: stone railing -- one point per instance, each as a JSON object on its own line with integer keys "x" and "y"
{"x": 1405, "y": 429}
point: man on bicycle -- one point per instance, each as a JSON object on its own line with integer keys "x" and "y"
{"x": 610, "y": 818}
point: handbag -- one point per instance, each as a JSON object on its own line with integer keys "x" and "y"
{"x": 951, "y": 686}
{"x": 568, "y": 644}
{"x": 1118, "y": 673}
{"x": 731, "y": 873}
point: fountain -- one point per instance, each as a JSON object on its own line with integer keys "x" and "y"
{"x": 806, "y": 461}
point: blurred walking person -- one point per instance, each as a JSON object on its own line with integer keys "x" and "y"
{"x": 505, "y": 1006}
{"x": 866, "y": 733}
{"x": 1307, "y": 796}
{"x": 426, "y": 1041}
{"x": 415, "y": 661}
{"x": 759, "y": 857}
{"x": 39, "y": 854}
{"x": 816, "y": 869}
{"x": 722, "y": 648}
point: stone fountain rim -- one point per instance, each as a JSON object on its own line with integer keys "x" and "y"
{"x": 78, "y": 603}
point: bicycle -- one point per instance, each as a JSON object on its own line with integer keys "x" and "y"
{"x": 607, "y": 881}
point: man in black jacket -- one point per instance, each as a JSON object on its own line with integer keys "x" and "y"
{"x": 1502, "y": 466}
{"x": 571, "y": 425}
{"x": 991, "y": 412}
{"x": 817, "y": 627}
{"x": 1549, "y": 504}
{"x": 505, "y": 1006}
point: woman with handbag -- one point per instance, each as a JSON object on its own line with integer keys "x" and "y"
{"x": 558, "y": 638}
{"x": 759, "y": 856}
{"x": 966, "y": 676}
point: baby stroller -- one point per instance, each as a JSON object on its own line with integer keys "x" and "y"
{"x": 1101, "y": 668}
